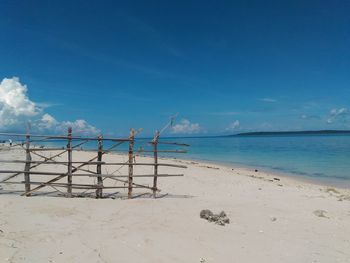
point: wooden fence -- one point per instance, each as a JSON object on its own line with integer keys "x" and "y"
{"x": 76, "y": 169}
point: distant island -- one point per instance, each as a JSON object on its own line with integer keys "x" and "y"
{"x": 320, "y": 132}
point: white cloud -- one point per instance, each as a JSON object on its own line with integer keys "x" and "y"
{"x": 79, "y": 126}
{"x": 16, "y": 110}
{"x": 15, "y": 105}
{"x": 309, "y": 117}
{"x": 47, "y": 122}
{"x": 233, "y": 126}
{"x": 270, "y": 100}
{"x": 225, "y": 113}
{"x": 186, "y": 127}
{"x": 265, "y": 126}
{"x": 337, "y": 114}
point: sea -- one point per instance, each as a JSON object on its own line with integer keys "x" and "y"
{"x": 321, "y": 158}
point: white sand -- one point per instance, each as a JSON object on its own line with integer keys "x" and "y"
{"x": 271, "y": 220}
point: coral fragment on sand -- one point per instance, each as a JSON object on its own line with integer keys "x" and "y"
{"x": 219, "y": 219}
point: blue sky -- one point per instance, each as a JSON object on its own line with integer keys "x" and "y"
{"x": 224, "y": 66}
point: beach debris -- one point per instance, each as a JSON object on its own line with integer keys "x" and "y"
{"x": 273, "y": 219}
{"x": 332, "y": 190}
{"x": 277, "y": 179}
{"x": 336, "y": 193}
{"x": 219, "y": 219}
{"x": 212, "y": 167}
{"x": 256, "y": 170}
{"x": 206, "y": 213}
{"x": 202, "y": 260}
{"x": 344, "y": 197}
{"x": 320, "y": 213}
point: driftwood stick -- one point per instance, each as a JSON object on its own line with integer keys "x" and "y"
{"x": 79, "y": 168}
{"x": 131, "y": 157}
{"x": 70, "y": 169}
{"x": 155, "y": 148}
{"x": 174, "y": 143}
{"x": 98, "y": 168}
{"x": 46, "y": 149}
{"x": 45, "y": 162}
{"x": 137, "y": 185}
{"x": 126, "y": 176}
{"x": 64, "y": 137}
{"x": 29, "y": 172}
{"x": 27, "y": 166}
{"x": 87, "y": 175}
{"x": 90, "y": 163}
{"x": 79, "y": 186}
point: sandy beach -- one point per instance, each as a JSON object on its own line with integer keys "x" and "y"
{"x": 175, "y": 131}
{"x": 272, "y": 219}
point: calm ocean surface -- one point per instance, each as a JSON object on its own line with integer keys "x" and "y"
{"x": 324, "y": 158}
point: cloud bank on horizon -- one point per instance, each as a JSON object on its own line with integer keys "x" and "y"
{"x": 16, "y": 110}
{"x": 233, "y": 126}
{"x": 338, "y": 115}
{"x": 186, "y": 127}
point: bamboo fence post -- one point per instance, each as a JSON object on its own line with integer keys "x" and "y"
{"x": 27, "y": 164}
{"x": 131, "y": 157}
{"x": 155, "y": 148}
{"x": 69, "y": 172}
{"x": 98, "y": 168}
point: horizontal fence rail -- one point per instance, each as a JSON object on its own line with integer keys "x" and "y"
{"x": 92, "y": 163}
{"x": 73, "y": 167}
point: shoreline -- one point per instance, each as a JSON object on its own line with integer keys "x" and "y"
{"x": 298, "y": 177}
{"x": 330, "y": 181}
{"x": 323, "y": 182}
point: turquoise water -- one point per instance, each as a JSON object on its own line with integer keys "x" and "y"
{"x": 325, "y": 158}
